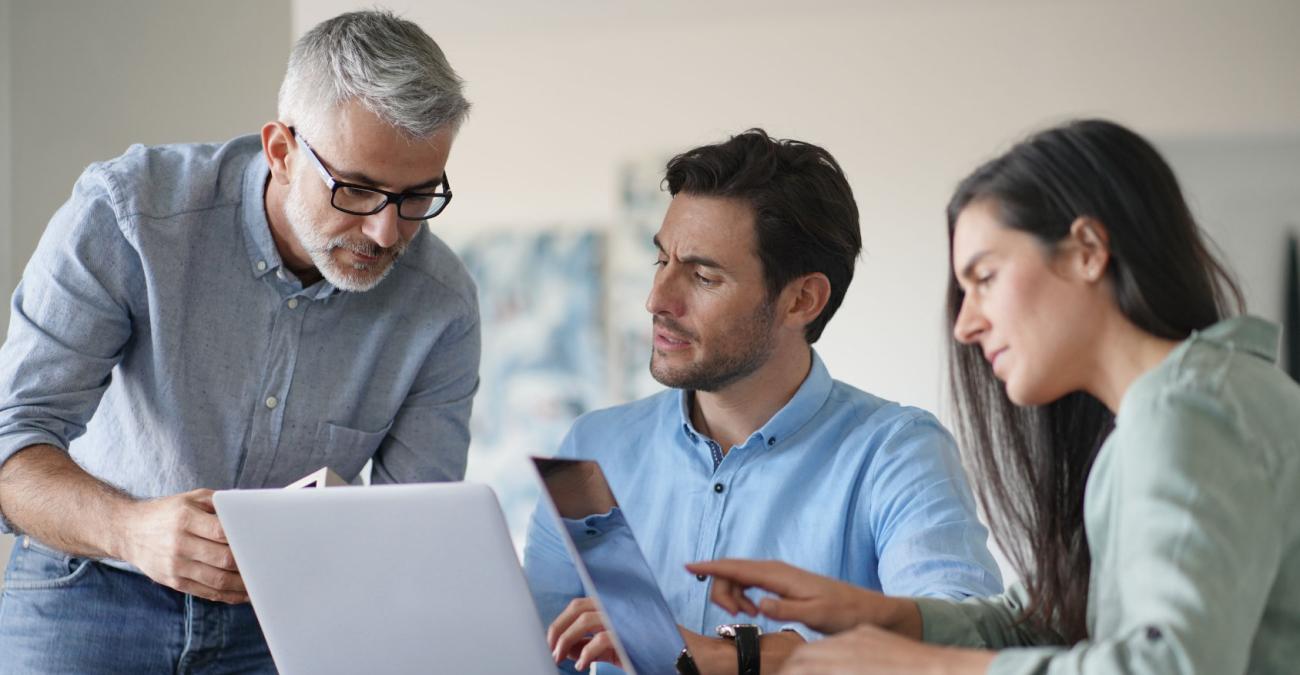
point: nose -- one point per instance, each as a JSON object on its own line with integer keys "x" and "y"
{"x": 970, "y": 323}
{"x": 381, "y": 227}
{"x": 664, "y": 296}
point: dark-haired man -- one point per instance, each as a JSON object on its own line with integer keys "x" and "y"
{"x": 754, "y": 451}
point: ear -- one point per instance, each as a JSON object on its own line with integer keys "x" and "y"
{"x": 804, "y": 299}
{"x": 1089, "y": 250}
{"x": 277, "y": 142}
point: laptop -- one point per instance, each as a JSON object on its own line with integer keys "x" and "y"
{"x": 613, "y": 569}
{"x": 385, "y": 579}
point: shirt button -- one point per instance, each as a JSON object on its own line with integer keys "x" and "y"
{"x": 701, "y": 577}
{"x": 261, "y": 266}
{"x": 592, "y": 533}
{"x": 718, "y": 488}
{"x": 293, "y": 303}
{"x": 771, "y": 441}
{"x": 1153, "y": 633}
{"x": 271, "y": 402}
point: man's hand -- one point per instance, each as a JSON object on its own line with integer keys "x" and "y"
{"x": 579, "y": 633}
{"x": 868, "y": 650}
{"x": 821, "y": 603}
{"x": 178, "y": 542}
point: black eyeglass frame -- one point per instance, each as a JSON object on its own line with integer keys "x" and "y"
{"x": 389, "y": 197}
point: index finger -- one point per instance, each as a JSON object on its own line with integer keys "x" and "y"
{"x": 776, "y": 577}
{"x": 206, "y": 525}
{"x": 576, "y": 608}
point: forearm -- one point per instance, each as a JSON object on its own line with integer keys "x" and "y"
{"x": 46, "y": 495}
{"x": 775, "y": 648}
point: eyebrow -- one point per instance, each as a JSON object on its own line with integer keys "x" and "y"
{"x": 693, "y": 259}
{"x": 970, "y": 265}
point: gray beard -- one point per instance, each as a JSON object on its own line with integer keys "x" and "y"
{"x": 319, "y": 247}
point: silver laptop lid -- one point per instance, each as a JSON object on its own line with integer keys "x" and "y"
{"x": 385, "y": 579}
{"x": 613, "y": 569}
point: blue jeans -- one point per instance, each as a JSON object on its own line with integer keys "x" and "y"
{"x": 60, "y": 614}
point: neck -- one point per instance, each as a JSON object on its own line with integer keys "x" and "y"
{"x": 1124, "y": 353}
{"x": 731, "y": 415}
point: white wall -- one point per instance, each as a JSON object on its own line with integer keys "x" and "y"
{"x": 81, "y": 80}
{"x": 909, "y": 96}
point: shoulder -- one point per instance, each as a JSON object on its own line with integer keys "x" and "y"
{"x": 434, "y": 270}
{"x": 881, "y": 420}
{"x": 1203, "y": 411}
{"x": 162, "y": 181}
{"x": 631, "y": 421}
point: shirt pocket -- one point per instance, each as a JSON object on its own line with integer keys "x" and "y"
{"x": 35, "y": 566}
{"x": 346, "y": 450}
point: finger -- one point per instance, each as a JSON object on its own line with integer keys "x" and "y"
{"x": 721, "y": 593}
{"x": 742, "y": 601}
{"x": 208, "y": 553}
{"x": 201, "y": 523}
{"x": 203, "y": 499}
{"x": 578, "y": 631}
{"x": 783, "y": 609}
{"x": 769, "y": 575}
{"x": 212, "y": 577}
{"x": 576, "y": 608}
{"x": 600, "y": 648}
{"x": 199, "y": 590}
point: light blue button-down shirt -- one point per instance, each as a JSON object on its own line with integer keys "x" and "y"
{"x": 157, "y": 336}
{"x": 838, "y": 482}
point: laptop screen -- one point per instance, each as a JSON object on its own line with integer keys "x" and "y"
{"x": 613, "y": 569}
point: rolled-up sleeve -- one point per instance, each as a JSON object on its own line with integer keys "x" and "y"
{"x": 71, "y": 317}
{"x": 929, "y": 539}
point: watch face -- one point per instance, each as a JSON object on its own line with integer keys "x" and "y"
{"x": 728, "y": 630}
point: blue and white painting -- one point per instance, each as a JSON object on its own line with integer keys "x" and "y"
{"x": 565, "y": 331}
{"x": 543, "y": 363}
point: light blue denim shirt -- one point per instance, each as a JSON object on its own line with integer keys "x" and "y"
{"x": 158, "y": 338}
{"x": 1190, "y": 513}
{"x": 838, "y": 482}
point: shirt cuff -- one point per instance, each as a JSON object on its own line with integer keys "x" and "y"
{"x": 1022, "y": 661}
{"x": 808, "y": 634}
{"x": 943, "y": 622}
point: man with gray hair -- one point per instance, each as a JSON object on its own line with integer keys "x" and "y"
{"x": 235, "y": 315}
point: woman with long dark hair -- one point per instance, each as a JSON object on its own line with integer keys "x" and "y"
{"x": 1138, "y": 452}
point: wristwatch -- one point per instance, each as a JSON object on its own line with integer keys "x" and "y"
{"x": 686, "y": 663}
{"x": 745, "y": 635}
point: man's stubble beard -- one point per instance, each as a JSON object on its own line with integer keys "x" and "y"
{"x": 756, "y": 343}
{"x": 356, "y": 278}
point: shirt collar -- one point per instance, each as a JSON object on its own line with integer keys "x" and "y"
{"x": 801, "y": 407}
{"x": 1246, "y": 333}
{"x": 263, "y": 257}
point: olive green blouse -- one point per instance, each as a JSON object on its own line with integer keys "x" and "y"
{"x": 1192, "y": 512}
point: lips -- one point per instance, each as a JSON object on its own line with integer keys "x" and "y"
{"x": 667, "y": 339}
{"x": 993, "y": 357}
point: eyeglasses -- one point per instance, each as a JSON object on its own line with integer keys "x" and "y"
{"x": 360, "y": 200}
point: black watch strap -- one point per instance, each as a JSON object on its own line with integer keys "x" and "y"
{"x": 686, "y": 664}
{"x": 747, "y": 650}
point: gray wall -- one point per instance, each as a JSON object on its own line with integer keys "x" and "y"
{"x": 82, "y": 80}
{"x": 6, "y": 187}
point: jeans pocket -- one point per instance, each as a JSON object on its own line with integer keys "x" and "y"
{"x": 34, "y": 566}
